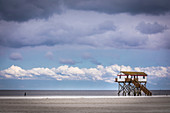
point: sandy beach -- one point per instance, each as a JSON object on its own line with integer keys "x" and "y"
{"x": 159, "y": 104}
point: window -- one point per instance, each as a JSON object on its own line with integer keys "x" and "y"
{"x": 143, "y": 77}
{"x": 119, "y": 77}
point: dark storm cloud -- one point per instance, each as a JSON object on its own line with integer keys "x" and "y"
{"x": 23, "y": 10}
{"x": 87, "y": 28}
{"x": 149, "y": 28}
{"x": 121, "y": 6}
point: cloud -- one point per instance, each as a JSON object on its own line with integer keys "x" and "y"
{"x": 149, "y": 28}
{"x": 86, "y": 55}
{"x": 49, "y": 55}
{"x": 54, "y": 31}
{"x": 121, "y": 6}
{"x": 94, "y": 61}
{"x": 65, "y": 72}
{"x": 73, "y": 28}
{"x": 23, "y": 10}
{"x": 15, "y": 56}
{"x": 106, "y": 26}
{"x": 159, "y": 71}
{"x": 15, "y": 72}
{"x": 67, "y": 61}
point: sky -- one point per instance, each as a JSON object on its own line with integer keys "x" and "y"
{"x": 83, "y": 44}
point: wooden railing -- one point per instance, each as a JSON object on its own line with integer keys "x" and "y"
{"x": 142, "y": 87}
{"x": 136, "y": 79}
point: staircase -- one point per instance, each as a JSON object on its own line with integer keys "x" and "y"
{"x": 142, "y": 87}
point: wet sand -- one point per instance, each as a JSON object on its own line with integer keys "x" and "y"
{"x": 85, "y": 104}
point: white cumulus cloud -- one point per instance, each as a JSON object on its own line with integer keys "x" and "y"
{"x": 65, "y": 72}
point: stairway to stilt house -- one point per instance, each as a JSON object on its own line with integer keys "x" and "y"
{"x": 142, "y": 87}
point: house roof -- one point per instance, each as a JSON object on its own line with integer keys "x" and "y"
{"x": 133, "y": 73}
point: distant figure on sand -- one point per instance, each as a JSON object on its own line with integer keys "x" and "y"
{"x": 25, "y": 94}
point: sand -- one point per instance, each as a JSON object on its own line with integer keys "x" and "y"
{"x": 85, "y": 104}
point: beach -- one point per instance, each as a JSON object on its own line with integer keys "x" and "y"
{"x": 85, "y": 104}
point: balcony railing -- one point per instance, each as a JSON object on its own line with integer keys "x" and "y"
{"x": 128, "y": 79}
